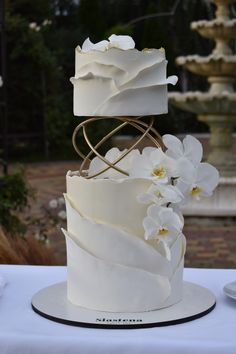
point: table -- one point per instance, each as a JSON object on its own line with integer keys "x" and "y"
{"x": 22, "y": 331}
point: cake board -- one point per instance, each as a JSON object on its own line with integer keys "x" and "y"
{"x": 52, "y": 303}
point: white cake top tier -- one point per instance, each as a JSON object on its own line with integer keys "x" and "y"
{"x": 112, "y": 78}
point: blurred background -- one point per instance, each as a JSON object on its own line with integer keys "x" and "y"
{"x": 38, "y": 41}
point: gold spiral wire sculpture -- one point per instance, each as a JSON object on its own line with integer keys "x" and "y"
{"x": 146, "y": 129}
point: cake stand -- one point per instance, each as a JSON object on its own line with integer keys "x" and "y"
{"x": 52, "y": 303}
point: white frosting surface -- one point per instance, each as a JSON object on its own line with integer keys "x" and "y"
{"x": 114, "y": 245}
{"x": 119, "y": 82}
{"x": 96, "y": 284}
{"x": 110, "y": 201}
{"x": 110, "y": 265}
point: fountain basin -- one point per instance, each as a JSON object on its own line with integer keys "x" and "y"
{"x": 212, "y": 65}
{"x": 215, "y": 29}
{"x": 202, "y": 103}
{"x": 217, "y": 107}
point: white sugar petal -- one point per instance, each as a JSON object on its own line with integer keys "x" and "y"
{"x": 176, "y": 209}
{"x": 113, "y": 154}
{"x": 87, "y": 45}
{"x": 171, "y": 193}
{"x": 174, "y": 145}
{"x": 101, "y": 46}
{"x": 153, "y": 212}
{"x": 172, "y": 79}
{"x": 150, "y": 228}
{"x": 141, "y": 167}
{"x": 96, "y": 165}
{"x": 192, "y": 149}
{"x": 185, "y": 170}
{"x": 207, "y": 177}
{"x": 122, "y": 42}
{"x": 167, "y": 216}
{"x": 157, "y": 156}
{"x": 148, "y": 150}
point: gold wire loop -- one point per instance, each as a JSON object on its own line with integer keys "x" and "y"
{"x": 146, "y": 129}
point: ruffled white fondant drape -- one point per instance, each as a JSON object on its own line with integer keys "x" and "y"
{"x": 120, "y": 82}
{"x": 111, "y": 269}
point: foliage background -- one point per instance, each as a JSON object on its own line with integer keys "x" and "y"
{"x": 40, "y": 61}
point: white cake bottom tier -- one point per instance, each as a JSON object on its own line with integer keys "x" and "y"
{"x": 110, "y": 269}
{"x": 95, "y": 284}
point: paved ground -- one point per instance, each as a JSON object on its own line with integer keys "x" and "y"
{"x": 207, "y": 245}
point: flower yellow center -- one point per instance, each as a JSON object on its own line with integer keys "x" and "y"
{"x": 196, "y": 190}
{"x": 158, "y": 194}
{"x": 159, "y": 172}
{"x": 163, "y": 232}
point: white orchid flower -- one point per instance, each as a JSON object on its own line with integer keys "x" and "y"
{"x": 148, "y": 150}
{"x": 97, "y": 164}
{"x": 112, "y": 155}
{"x": 162, "y": 224}
{"x": 204, "y": 181}
{"x": 121, "y": 42}
{"x": 190, "y": 148}
{"x": 161, "y": 194}
{"x": 153, "y": 164}
{"x": 183, "y": 172}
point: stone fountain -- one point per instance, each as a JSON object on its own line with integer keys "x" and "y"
{"x": 217, "y": 107}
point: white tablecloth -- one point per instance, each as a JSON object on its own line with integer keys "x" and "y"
{"x": 22, "y": 331}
